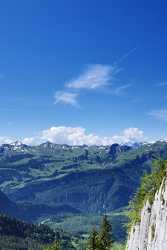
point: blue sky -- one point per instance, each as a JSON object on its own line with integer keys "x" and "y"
{"x": 97, "y": 65}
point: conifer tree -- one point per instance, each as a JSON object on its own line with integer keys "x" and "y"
{"x": 93, "y": 240}
{"x": 104, "y": 237}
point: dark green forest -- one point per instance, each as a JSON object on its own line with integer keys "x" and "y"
{"x": 18, "y": 235}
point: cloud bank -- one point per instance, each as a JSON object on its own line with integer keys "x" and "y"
{"x": 79, "y": 136}
{"x": 5, "y": 140}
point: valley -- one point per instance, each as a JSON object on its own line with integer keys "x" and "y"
{"x": 71, "y": 187}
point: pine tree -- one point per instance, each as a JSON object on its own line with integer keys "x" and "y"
{"x": 92, "y": 241}
{"x": 104, "y": 237}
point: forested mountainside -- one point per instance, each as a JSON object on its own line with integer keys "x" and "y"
{"x": 62, "y": 185}
{"x": 7, "y": 206}
{"x": 30, "y": 212}
{"x": 18, "y": 235}
{"x": 15, "y": 234}
{"x": 88, "y": 179}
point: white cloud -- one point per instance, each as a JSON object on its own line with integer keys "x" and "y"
{"x": 121, "y": 89}
{"x": 31, "y": 140}
{"x": 128, "y": 135}
{"x": 133, "y": 134}
{"x": 79, "y": 136}
{"x": 95, "y": 76}
{"x": 6, "y": 140}
{"x": 159, "y": 114}
{"x": 69, "y": 135}
{"x": 66, "y": 98}
{"x": 162, "y": 84}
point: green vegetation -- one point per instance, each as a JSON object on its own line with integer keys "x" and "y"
{"x": 118, "y": 246}
{"x": 93, "y": 240}
{"x": 36, "y": 174}
{"x": 69, "y": 188}
{"x": 101, "y": 240}
{"x": 54, "y": 246}
{"x": 17, "y": 243}
{"x": 149, "y": 186}
{"x": 105, "y": 237}
{"x": 80, "y": 225}
{"x": 18, "y": 235}
{"x": 18, "y": 228}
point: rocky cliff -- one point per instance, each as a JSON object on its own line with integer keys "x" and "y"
{"x": 151, "y": 232}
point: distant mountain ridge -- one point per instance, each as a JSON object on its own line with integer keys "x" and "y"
{"x": 18, "y": 145}
{"x": 88, "y": 179}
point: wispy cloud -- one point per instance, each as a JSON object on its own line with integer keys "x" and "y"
{"x": 66, "y": 98}
{"x": 95, "y": 76}
{"x": 162, "y": 84}
{"x": 120, "y": 90}
{"x": 159, "y": 114}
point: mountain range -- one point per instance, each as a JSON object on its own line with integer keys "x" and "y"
{"x": 51, "y": 180}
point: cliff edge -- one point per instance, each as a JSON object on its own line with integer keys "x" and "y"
{"x": 150, "y": 233}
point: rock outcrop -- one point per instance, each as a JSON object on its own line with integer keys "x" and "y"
{"x": 151, "y": 232}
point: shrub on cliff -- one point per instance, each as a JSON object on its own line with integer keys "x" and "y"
{"x": 149, "y": 186}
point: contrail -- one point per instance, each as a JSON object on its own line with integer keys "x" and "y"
{"x": 122, "y": 58}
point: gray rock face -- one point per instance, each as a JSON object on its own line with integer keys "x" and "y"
{"x": 151, "y": 232}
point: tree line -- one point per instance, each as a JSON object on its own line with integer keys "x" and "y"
{"x": 98, "y": 239}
